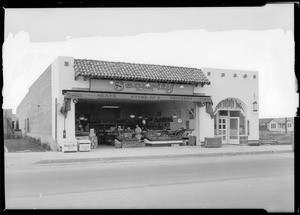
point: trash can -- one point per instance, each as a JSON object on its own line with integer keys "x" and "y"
{"x": 192, "y": 140}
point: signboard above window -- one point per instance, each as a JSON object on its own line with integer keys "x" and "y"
{"x": 126, "y": 96}
{"x": 140, "y": 87}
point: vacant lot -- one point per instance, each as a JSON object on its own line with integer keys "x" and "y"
{"x": 16, "y": 145}
{"x": 274, "y": 138}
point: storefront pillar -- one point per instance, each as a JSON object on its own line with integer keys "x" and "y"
{"x": 204, "y": 126}
{"x": 67, "y": 124}
{"x": 70, "y": 123}
{"x": 197, "y": 123}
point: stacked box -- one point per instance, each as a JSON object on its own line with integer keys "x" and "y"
{"x": 84, "y": 145}
{"x": 94, "y": 142}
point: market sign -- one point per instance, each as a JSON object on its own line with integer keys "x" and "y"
{"x": 68, "y": 145}
{"x": 127, "y": 96}
{"x": 140, "y": 87}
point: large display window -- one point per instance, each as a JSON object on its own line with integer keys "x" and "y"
{"x": 134, "y": 121}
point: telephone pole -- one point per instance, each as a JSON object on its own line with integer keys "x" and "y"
{"x": 285, "y": 125}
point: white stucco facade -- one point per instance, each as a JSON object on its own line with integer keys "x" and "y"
{"x": 234, "y": 84}
{"x": 63, "y": 78}
{"x": 244, "y": 89}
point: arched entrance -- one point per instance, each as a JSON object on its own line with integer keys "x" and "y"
{"x": 230, "y": 121}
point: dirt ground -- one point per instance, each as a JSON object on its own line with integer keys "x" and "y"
{"x": 20, "y": 145}
{"x": 274, "y": 138}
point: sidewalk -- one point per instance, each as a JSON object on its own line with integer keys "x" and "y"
{"x": 114, "y": 154}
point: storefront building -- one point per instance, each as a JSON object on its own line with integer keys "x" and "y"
{"x": 75, "y": 97}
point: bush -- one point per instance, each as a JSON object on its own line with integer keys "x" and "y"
{"x": 8, "y": 136}
{"x": 37, "y": 141}
{"x": 48, "y": 148}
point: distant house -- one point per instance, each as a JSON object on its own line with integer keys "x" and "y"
{"x": 8, "y": 122}
{"x": 276, "y": 124}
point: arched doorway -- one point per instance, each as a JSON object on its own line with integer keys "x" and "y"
{"x": 230, "y": 121}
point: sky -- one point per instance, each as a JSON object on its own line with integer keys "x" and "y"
{"x": 245, "y": 38}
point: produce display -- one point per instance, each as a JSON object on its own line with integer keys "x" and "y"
{"x": 167, "y": 135}
{"x": 158, "y": 135}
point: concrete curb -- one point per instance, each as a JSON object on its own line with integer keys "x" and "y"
{"x": 116, "y": 159}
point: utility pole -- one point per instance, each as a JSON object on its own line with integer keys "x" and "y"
{"x": 285, "y": 125}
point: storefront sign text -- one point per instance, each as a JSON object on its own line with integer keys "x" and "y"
{"x": 124, "y": 96}
{"x": 140, "y": 87}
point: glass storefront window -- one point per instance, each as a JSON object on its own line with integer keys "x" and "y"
{"x": 242, "y": 125}
{"x": 215, "y": 125}
{"x": 248, "y": 127}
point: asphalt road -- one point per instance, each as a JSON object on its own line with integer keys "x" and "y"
{"x": 252, "y": 181}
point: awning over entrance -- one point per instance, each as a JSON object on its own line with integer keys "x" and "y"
{"x": 200, "y": 100}
{"x": 76, "y": 94}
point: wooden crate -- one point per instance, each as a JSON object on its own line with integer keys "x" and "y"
{"x": 118, "y": 144}
{"x": 192, "y": 141}
{"x": 132, "y": 144}
{"x": 212, "y": 142}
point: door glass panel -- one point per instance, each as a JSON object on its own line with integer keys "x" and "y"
{"x": 220, "y": 120}
{"x": 220, "y": 132}
{"x": 224, "y": 137}
{"x": 223, "y": 120}
{"x": 220, "y": 126}
{"x": 233, "y": 137}
{"x": 233, "y": 127}
{"x": 224, "y": 131}
{"x": 224, "y": 127}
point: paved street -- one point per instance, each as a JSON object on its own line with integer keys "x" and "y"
{"x": 248, "y": 181}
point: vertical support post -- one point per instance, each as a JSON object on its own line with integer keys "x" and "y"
{"x": 206, "y": 123}
{"x": 285, "y": 125}
{"x": 64, "y": 131}
{"x": 56, "y": 123}
{"x": 197, "y": 123}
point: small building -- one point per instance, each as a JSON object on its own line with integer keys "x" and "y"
{"x": 277, "y": 124}
{"x": 8, "y": 122}
{"x": 74, "y": 96}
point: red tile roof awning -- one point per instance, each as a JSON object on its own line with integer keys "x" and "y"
{"x": 138, "y": 72}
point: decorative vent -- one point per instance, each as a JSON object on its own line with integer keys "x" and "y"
{"x": 245, "y": 76}
{"x": 222, "y": 74}
{"x": 254, "y": 76}
{"x": 208, "y": 73}
{"x": 230, "y": 103}
{"x": 234, "y": 75}
{"x": 66, "y": 63}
